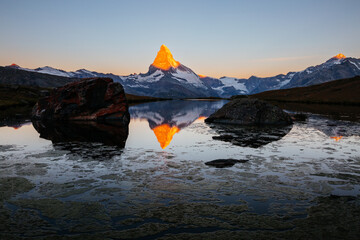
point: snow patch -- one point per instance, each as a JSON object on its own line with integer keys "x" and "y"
{"x": 355, "y": 65}
{"x": 232, "y": 82}
{"x": 52, "y": 71}
{"x": 154, "y": 77}
{"x": 82, "y": 71}
{"x": 189, "y": 77}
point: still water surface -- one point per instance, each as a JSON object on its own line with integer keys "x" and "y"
{"x": 155, "y": 178}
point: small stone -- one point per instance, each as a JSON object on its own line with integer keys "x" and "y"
{"x": 222, "y": 163}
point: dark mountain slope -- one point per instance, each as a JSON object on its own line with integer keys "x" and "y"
{"x": 21, "y": 77}
{"x": 343, "y": 91}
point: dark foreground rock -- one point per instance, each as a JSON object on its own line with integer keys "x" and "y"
{"x": 250, "y": 112}
{"x": 89, "y": 99}
{"x": 221, "y": 163}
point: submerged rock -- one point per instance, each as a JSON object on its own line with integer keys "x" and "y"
{"x": 88, "y": 99}
{"x": 221, "y": 163}
{"x": 247, "y": 111}
{"x": 249, "y": 136}
{"x": 10, "y": 186}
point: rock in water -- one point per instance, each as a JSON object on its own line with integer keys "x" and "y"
{"x": 89, "y": 99}
{"x": 250, "y": 112}
{"x": 222, "y": 163}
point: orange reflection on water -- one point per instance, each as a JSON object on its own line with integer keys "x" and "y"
{"x": 336, "y": 138}
{"x": 164, "y": 134}
{"x": 164, "y": 59}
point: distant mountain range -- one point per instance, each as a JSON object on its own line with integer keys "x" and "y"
{"x": 169, "y": 78}
{"x": 17, "y": 76}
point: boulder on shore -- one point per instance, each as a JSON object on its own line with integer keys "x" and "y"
{"x": 249, "y": 111}
{"x": 95, "y": 99}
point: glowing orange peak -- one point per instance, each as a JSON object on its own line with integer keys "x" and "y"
{"x": 340, "y": 56}
{"x": 337, "y": 138}
{"x": 164, "y": 59}
{"x": 201, "y": 119}
{"x": 201, "y": 76}
{"x": 164, "y": 134}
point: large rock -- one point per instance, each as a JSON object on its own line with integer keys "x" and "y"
{"x": 249, "y": 112}
{"x": 89, "y": 99}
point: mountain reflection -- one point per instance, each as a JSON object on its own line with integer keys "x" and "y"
{"x": 164, "y": 134}
{"x": 335, "y": 129}
{"x": 15, "y": 123}
{"x": 167, "y": 118}
{"x": 337, "y": 138}
{"x": 76, "y": 136}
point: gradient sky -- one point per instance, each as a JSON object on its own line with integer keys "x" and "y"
{"x": 214, "y": 38}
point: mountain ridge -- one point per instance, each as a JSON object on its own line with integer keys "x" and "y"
{"x": 169, "y": 78}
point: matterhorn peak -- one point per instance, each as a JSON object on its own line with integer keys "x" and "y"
{"x": 340, "y": 56}
{"x": 164, "y": 59}
{"x": 202, "y": 76}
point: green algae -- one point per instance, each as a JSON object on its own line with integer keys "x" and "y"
{"x": 10, "y": 186}
{"x": 56, "y": 209}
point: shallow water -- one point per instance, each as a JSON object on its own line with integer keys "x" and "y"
{"x": 154, "y": 183}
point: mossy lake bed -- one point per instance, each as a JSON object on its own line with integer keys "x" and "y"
{"x": 303, "y": 184}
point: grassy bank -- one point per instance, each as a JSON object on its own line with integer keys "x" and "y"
{"x": 134, "y": 99}
{"x": 17, "y": 101}
{"x": 341, "y": 92}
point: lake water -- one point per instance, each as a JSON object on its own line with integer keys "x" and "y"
{"x": 150, "y": 181}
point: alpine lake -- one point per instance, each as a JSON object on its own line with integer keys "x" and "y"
{"x": 150, "y": 181}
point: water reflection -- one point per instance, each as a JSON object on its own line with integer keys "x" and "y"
{"x": 334, "y": 129}
{"x": 168, "y": 117}
{"x": 15, "y": 123}
{"x": 75, "y": 137}
{"x": 336, "y": 138}
{"x": 249, "y": 136}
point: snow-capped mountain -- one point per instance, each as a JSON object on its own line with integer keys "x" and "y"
{"x": 168, "y": 78}
{"x": 81, "y": 73}
{"x": 337, "y": 67}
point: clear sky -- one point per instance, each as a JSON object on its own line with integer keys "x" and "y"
{"x": 215, "y": 38}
